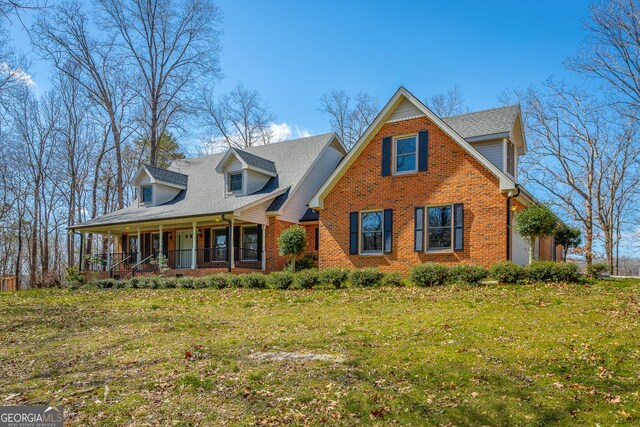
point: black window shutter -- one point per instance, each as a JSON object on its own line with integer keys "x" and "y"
{"x": 386, "y": 156}
{"x": 458, "y": 227}
{"x": 353, "y": 233}
{"x": 124, "y": 244}
{"x": 418, "y": 229}
{"x": 207, "y": 244}
{"x": 259, "y": 256}
{"x": 237, "y": 244}
{"x": 423, "y": 150}
{"x": 146, "y": 240}
{"x": 388, "y": 231}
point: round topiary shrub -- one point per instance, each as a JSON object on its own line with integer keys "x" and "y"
{"x": 280, "y": 280}
{"x": 393, "y": 278}
{"x": 429, "y": 274}
{"x": 334, "y": 276}
{"x": 507, "y": 272}
{"x": 307, "y": 279}
{"x": 597, "y": 268}
{"x": 366, "y": 277}
{"x": 467, "y": 274}
{"x": 253, "y": 280}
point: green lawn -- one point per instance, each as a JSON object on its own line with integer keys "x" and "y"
{"x": 497, "y": 355}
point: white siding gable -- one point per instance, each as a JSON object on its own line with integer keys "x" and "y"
{"x": 256, "y": 214}
{"x": 163, "y": 194}
{"x": 255, "y": 181}
{"x": 296, "y": 204}
{"x": 405, "y": 110}
{"x": 492, "y": 151}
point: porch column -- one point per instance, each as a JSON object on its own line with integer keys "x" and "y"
{"x": 161, "y": 243}
{"x": 264, "y": 255}
{"x": 232, "y": 244}
{"x": 109, "y": 251}
{"x": 139, "y": 249}
{"x": 194, "y": 242}
{"x": 80, "y": 263}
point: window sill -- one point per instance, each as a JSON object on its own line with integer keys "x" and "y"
{"x": 398, "y": 174}
{"x": 438, "y": 251}
{"x": 371, "y": 254}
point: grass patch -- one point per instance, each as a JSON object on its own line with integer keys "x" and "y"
{"x": 490, "y": 355}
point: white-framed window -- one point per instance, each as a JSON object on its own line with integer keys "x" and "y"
{"x": 405, "y": 154}
{"x": 440, "y": 228}
{"x": 249, "y": 248}
{"x": 371, "y": 232}
{"x": 147, "y": 194}
{"x": 234, "y": 182}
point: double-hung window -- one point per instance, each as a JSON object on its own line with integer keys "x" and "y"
{"x": 406, "y": 154}
{"x": 371, "y": 230}
{"x": 439, "y": 227}
{"x": 147, "y": 194}
{"x": 249, "y": 243}
{"x": 234, "y": 184}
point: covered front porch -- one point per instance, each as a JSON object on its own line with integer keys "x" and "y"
{"x": 196, "y": 246}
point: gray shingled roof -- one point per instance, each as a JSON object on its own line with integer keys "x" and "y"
{"x": 310, "y": 215}
{"x": 256, "y": 161}
{"x": 486, "y": 122}
{"x": 205, "y": 193}
{"x": 167, "y": 175}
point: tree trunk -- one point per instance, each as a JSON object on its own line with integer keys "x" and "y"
{"x": 531, "y": 249}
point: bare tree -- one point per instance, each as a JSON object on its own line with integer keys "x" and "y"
{"x": 566, "y": 140}
{"x": 348, "y": 121}
{"x": 610, "y": 52}
{"x": 238, "y": 119}
{"x": 173, "y": 45}
{"x": 447, "y": 103}
{"x": 63, "y": 37}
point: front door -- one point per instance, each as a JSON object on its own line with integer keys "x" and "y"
{"x": 185, "y": 245}
{"x": 220, "y": 244}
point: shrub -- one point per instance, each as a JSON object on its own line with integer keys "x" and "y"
{"x": 233, "y": 280}
{"x": 280, "y": 280}
{"x": 105, "y": 283}
{"x": 549, "y": 271}
{"x": 307, "y": 279}
{"x": 429, "y": 274}
{"x": 507, "y": 272}
{"x": 218, "y": 281}
{"x": 469, "y": 274}
{"x": 185, "y": 282}
{"x": 167, "y": 283}
{"x": 292, "y": 242}
{"x": 597, "y": 268}
{"x": 392, "y": 278}
{"x": 74, "y": 276}
{"x": 334, "y": 276}
{"x": 306, "y": 262}
{"x": 366, "y": 277}
{"x": 253, "y": 280}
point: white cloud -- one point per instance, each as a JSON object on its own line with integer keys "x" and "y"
{"x": 284, "y": 131}
{"x": 16, "y": 74}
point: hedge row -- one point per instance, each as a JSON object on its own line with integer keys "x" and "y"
{"x": 429, "y": 274}
{"x": 306, "y": 279}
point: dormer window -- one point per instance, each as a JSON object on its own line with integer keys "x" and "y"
{"x": 147, "y": 194}
{"x": 235, "y": 183}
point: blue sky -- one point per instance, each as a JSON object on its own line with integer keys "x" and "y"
{"x": 293, "y": 52}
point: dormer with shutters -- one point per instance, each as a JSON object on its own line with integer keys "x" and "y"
{"x": 156, "y": 186}
{"x": 244, "y": 173}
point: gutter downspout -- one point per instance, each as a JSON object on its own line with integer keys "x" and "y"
{"x": 229, "y": 238}
{"x": 509, "y": 197}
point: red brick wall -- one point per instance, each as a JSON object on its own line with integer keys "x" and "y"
{"x": 276, "y": 262}
{"x": 454, "y": 176}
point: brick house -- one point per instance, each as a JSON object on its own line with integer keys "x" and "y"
{"x": 415, "y": 188}
{"x": 419, "y": 188}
